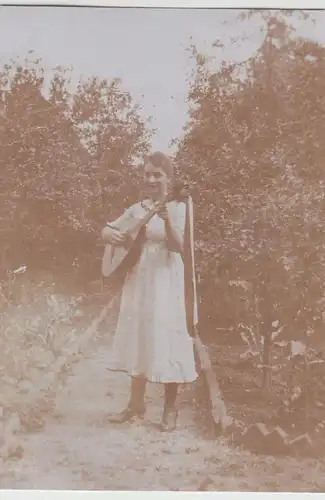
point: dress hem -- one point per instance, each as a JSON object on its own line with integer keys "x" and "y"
{"x": 154, "y": 380}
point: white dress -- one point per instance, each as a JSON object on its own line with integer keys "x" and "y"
{"x": 151, "y": 339}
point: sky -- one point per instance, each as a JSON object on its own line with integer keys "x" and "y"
{"x": 146, "y": 48}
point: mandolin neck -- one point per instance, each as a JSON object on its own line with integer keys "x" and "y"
{"x": 145, "y": 219}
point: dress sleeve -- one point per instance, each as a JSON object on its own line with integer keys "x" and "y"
{"x": 124, "y": 219}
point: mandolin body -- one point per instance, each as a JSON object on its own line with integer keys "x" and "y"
{"x": 122, "y": 258}
{"x": 113, "y": 258}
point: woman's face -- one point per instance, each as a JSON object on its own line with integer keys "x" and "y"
{"x": 156, "y": 180}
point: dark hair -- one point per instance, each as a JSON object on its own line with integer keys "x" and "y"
{"x": 160, "y": 160}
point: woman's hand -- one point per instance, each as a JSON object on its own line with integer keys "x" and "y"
{"x": 114, "y": 236}
{"x": 117, "y": 237}
{"x": 163, "y": 212}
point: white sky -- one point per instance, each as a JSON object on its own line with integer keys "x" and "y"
{"x": 144, "y": 47}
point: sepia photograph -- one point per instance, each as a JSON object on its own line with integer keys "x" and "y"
{"x": 162, "y": 249}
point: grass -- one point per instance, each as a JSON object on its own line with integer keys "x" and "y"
{"x": 37, "y": 323}
{"x": 42, "y": 321}
{"x": 248, "y": 402}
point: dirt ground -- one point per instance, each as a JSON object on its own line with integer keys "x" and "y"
{"x": 79, "y": 449}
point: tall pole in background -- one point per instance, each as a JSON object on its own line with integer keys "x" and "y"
{"x": 267, "y": 306}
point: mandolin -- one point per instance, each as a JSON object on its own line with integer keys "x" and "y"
{"x": 116, "y": 258}
{"x": 119, "y": 259}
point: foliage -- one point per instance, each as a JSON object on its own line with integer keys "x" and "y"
{"x": 253, "y": 152}
{"x": 33, "y": 334}
{"x": 66, "y": 159}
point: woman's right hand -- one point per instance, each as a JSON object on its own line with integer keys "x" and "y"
{"x": 118, "y": 238}
{"x": 114, "y": 236}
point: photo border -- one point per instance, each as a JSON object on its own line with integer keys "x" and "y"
{"x": 143, "y": 495}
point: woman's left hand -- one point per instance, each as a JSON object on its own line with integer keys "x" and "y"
{"x": 163, "y": 212}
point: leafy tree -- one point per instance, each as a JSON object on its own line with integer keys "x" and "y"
{"x": 109, "y": 125}
{"x": 253, "y": 153}
{"x": 58, "y": 153}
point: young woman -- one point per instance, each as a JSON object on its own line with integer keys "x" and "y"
{"x": 151, "y": 341}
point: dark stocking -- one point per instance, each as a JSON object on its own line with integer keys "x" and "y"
{"x": 138, "y": 389}
{"x": 170, "y": 394}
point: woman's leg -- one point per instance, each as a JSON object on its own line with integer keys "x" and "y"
{"x": 138, "y": 389}
{"x": 171, "y": 391}
{"x": 136, "y": 406}
{"x": 170, "y": 413}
